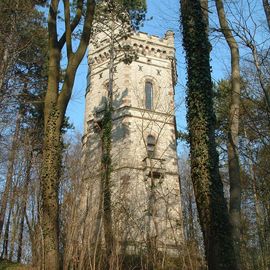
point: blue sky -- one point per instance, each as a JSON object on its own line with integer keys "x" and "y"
{"x": 165, "y": 15}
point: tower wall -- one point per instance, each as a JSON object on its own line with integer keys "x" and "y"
{"x": 145, "y": 188}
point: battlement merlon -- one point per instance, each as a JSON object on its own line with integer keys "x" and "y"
{"x": 142, "y": 43}
{"x": 102, "y": 40}
{"x": 166, "y": 41}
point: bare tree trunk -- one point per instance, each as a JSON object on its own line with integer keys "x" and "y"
{"x": 258, "y": 212}
{"x": 259, "y": 221}
{"x": 260, "y": 74}
{"x": 3, "y": 69}
{"x": 191, "y": 229}
{"x": 14, "y": 227}
{"x": 4, "y": 253}
{"x": 8, "y": 57}
{"x": 152, "y": 235}
{"x": 54, "y": 112}
{"x": 35, "y": 243}
{"x": 20, "y": 238}
{"x": 23, "y": 207}
{"x": 266, "y": 7}
{"x": 10, "y": 171}
{"x": 233, "y": 153}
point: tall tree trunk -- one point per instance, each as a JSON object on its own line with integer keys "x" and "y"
{"x": 7, "y": 58}
{"x": 208, "y": 187}
{"x": 258, "y": 211}
{"x": 34, "y": 235}
{"x": 106, "y": 137}
{"x": 233, "y": 130}
{"x": 4, "y": 253}
{"x": 24, "y": 204}
{"x": 3, "y": 70}
{"x": 10, "y": 171}
{"x": 259, "y": 222}
{"x": 14, "y": 227}
{"x": 106, "y": 184}
{"x": 51, "y": 160}
{"x": 191, "y": 228}
{"x": 204, "y": 7}
{"x": 55, "y": 105}
{"x": 266, "y": 7}
{"x": 49, "y": 189}
{"x": 20, "y": 237}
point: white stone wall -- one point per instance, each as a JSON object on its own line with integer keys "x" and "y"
{"x": 134, "y": 192}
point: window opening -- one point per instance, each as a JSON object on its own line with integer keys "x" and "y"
{"x": 88, "y": 80}
{"x": 149, "y": 95}
{"x": 151, "y": 144}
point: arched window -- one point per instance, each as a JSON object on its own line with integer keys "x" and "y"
{"x": 148, "y": 95}
{"x": 151, "y": 145}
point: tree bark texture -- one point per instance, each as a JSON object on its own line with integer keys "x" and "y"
{"x": 233, "y": 130}
{"x": 49, "y": 190}
{"x": 14, "y": 226}
{"x": 208, "y": 187}
{"x": 54, "y": 112}
{"x": 23, "y": 206}
{"x": 204, "y": 7}
{"x": 4, "y": 254}
{"x": 10, "y": 172}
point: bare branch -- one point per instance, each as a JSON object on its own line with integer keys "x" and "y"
{"x": 68, "y": 28}
{"x": 73, "y": 24}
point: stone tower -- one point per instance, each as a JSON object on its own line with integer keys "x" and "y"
{"x": 144, "y": 184}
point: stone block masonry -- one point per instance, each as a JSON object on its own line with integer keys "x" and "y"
{"x": 146, "y": 206}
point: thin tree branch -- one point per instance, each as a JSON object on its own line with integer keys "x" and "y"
{"x": 90, "y": 10}
{"x": 266, "y": 7}
{"x": 73, "y": 24}
{"x": 68, "y": 28}
{"x": 52, "y": 29}
{"x": 76, "y": 58}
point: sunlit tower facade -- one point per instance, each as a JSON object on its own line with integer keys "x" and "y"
{"x": 144, "y": 184}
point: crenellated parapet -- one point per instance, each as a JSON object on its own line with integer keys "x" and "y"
{"x": 140, "y": 43}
